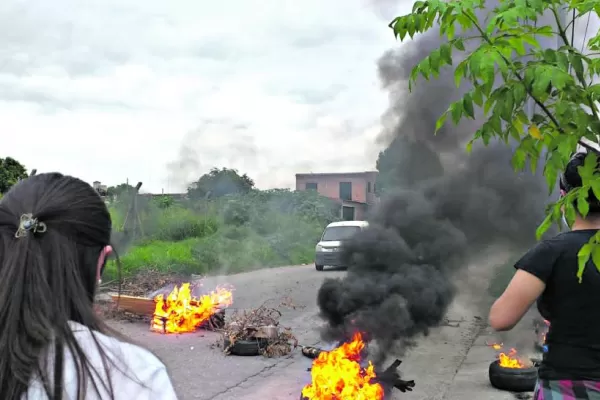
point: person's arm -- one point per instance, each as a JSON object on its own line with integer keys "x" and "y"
{"x": 528, "y": 283}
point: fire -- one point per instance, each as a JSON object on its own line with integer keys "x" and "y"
{"x": 546, "y": 332}
{"x": 337, "y": 375}
{"x": 180, "y": 312}
{"x": 509, "y": 359}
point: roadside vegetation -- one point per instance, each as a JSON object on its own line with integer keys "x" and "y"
{"x": 223, "y": 225}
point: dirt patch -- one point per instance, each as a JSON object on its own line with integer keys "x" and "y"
{"x": 140, "y": 284}
{"x": 107, "y": 310}
{"x": 145, "y": 282}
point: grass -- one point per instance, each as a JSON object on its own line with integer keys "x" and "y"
{"x": 179, "y": 240}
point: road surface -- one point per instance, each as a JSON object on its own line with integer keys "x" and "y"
{"x": 200, "y": 371}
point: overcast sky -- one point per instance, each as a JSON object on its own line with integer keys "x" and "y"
{"x": 161, "y": 91}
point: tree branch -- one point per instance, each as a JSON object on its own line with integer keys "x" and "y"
{"x": 542, "y": 106}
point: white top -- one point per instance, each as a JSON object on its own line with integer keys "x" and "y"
{"x": 131, "y": 361}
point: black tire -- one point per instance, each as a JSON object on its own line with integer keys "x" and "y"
{"x": 245, "y": 347}
{"x": 319, "y": 267}
{"x": 513, "y": 379}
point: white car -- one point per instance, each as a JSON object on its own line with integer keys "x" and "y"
{"x": 327, "y": 251}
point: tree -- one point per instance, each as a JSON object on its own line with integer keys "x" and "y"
{"x": 504, "y": 66}
{"x": 397, "y": 158}
{"x": 11, "y": 171}
{"x": 113, "y": 191}
{"x": 220, "y": 182}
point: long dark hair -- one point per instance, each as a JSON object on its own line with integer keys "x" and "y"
{"x": 48, "y": 279}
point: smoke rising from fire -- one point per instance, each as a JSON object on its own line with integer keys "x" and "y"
{"x": 441, "y": 210}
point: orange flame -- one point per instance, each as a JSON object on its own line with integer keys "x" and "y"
{"x": 337, "y": 375}
{"x": 545, "y": 333}
{"x": 180, "y": 312}
{"x": 508, "y": 360}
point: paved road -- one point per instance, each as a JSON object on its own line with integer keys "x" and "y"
{"x": 202, "y": 372}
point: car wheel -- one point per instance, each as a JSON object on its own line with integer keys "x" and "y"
{"x": 319, "y": 267}
{"x": 513, "y": 379}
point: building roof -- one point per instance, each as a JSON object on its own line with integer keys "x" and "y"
{"x": 324, "y": 174}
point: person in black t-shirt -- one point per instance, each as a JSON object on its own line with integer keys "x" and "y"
{"x": 547, "y": 273}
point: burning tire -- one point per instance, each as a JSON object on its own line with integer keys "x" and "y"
{"x": 513, "y": 379}
{"x": 215, "y": 322}
{"x": 245, "y": 347}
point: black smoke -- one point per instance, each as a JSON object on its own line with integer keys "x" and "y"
{"x": 441, "y": 208}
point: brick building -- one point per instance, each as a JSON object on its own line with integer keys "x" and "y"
{"x": 354, "y": 191}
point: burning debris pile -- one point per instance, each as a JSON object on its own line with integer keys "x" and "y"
{"x": 180, "y": 312}
{"x": 340, "y": 374}
{"x": 257, "y": 331}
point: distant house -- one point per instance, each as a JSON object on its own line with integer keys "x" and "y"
{"x": 100, "y": 188}
{"x": 354, "y": 191}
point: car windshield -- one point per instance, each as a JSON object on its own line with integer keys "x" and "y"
{"x": 336, "y": 233}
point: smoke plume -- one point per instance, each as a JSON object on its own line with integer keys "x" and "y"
{"x": 442, "y": 208}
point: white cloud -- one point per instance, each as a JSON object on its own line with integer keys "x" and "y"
{"x": 160, "y": 92}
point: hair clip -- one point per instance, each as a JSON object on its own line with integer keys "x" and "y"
{"x": 29, "y": 224}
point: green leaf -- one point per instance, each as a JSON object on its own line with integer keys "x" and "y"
{"x": 589, "y": 167}
{"x": 460, "y": 72}
{"x": 468, "y": 106}
{"x": 469, "y": 146}
{"x": 518, "y": 159}
{"x": 456, "y": 111}
{"x": 545, "y": 31}
{"x": 446, "y": 53}
{"x": 551, "y": 174}
{"x": 583, "y": 257}
{"x": 459, "y": 44}
{"x": 595, "y": 256}
{"x": 519, "y": 93}
{"x": 560, "y": 79}
{"x": 518, "y": 45}
{"x": 577, "y": 64}
{"x": 595, "y": 184}
{"x": 570, "y": 212}
{"x": 544, "y": 226}
{"x": 477, "y": 97}
{"x": 582, "y": 204}
{"x": 507, "y": 108}
{"x": 541, "y": 83}
{"x": 440, "y": 122}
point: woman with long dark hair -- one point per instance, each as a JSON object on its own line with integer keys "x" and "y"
{"x": 54, "y": 241}
{"x": 570, "y": 368}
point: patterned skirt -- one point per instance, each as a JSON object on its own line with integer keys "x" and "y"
{"x": 567, "y": 390}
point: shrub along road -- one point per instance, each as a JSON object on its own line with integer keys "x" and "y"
{"x": 200, "y": 371}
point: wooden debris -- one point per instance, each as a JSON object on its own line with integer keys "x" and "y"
{"x": 390, "y": 377}
{"x": 135, "y": 305}
{"x": 261, "y": 322}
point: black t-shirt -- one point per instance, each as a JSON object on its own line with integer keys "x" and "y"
{"x": 572, "y": 308}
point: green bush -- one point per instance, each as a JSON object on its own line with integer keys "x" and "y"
{"x": 177, "y": 224}
{"x": 229, "y": 234}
